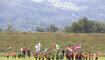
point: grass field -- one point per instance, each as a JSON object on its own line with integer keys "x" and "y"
{"x": 32, "y": 58}
{"x": 90, "y": 42}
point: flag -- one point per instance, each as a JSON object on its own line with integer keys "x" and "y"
{"x": 9, "y": 48}
{"x": 28, "y": 48}
{"x": 77, "y": 47}
{"x": 57, "y": 47}
{"x": 45, "y": 50}
{"x": 38, "y": 47}
{"x": 22, "y": 49}
{"x": 70, "y": 48}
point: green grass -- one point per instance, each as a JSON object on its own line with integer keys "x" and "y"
{"x": 101, "y": 58}
{"x": 32, "y": 58}
{"x": 18, "y": 40}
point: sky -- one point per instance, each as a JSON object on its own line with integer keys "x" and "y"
{"x": 62, "y": 4}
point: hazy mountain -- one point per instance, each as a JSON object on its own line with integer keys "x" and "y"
{"x": 19, "y": 13}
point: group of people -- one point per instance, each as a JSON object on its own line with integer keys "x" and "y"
{"x": 58, "y": 55}
{"x": 20, "y": 54}
{"x": 81, "y": 55}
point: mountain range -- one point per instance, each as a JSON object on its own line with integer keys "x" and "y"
{"x": 31, "y": 13}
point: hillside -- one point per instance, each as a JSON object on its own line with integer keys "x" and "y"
{"x": 45, "y": 12}
{"x": 90, "y": 42}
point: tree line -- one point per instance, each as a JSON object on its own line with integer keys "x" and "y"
{"x": 81, "y": 26}
{"x": 85, "y": 26}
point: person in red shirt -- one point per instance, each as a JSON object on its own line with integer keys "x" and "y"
{"x": 67, "y": 54}
{"x": 29, "y": 53}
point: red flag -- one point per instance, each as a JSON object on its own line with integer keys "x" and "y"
{"x": 26, "y": 48}
{"x": 9, "y": 48}
{"x": 77, "y": 47}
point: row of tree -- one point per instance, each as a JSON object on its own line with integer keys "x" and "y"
{"x": 51, "y": 28}
{"x": 81, "y": 26}
{"x": 85, "y": 26}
